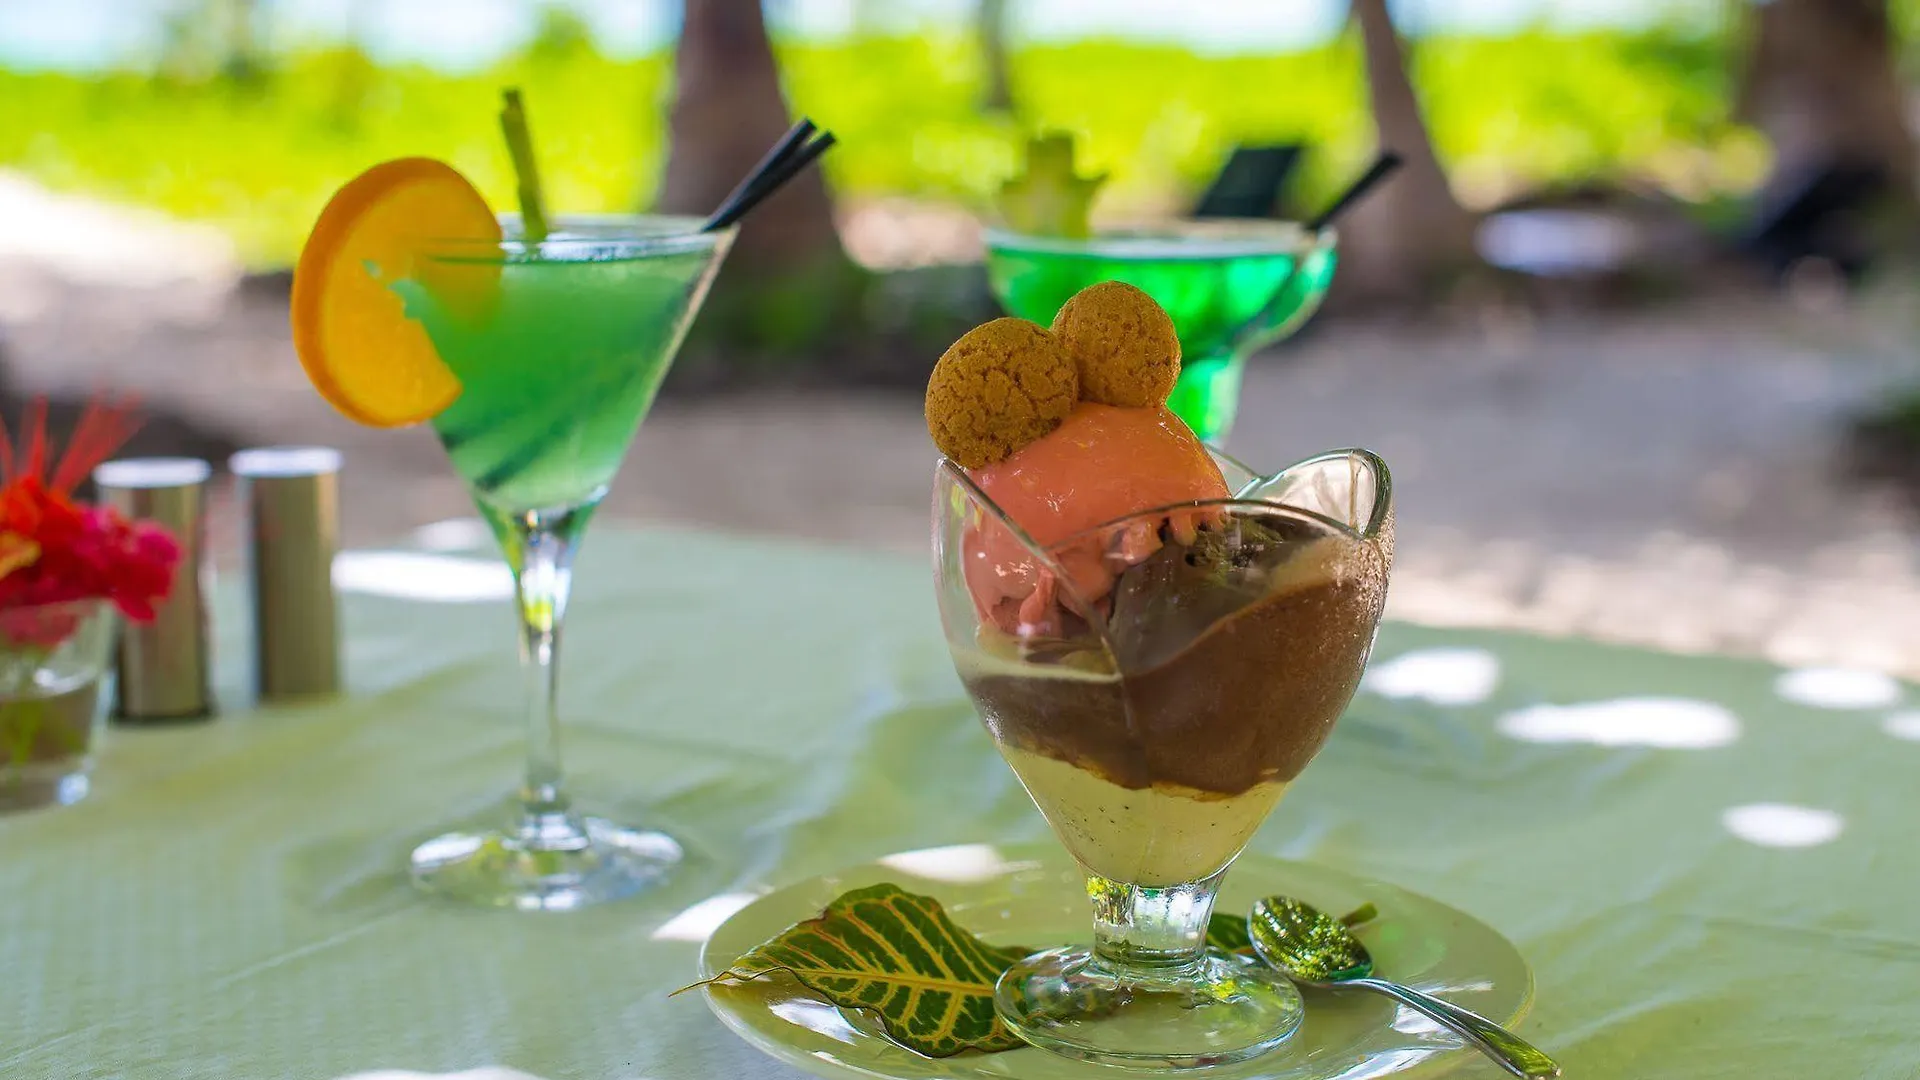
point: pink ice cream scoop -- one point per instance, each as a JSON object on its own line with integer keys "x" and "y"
{"x": 1102, "y": 463}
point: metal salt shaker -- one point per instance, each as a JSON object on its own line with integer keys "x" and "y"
{"x": 290, "y": 501}
{"x": 164, "y": 667}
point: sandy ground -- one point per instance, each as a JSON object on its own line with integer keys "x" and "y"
{"x": 1667, "y": 478}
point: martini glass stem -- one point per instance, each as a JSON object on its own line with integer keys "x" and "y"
{"x": 541, "y": 547}
{"x": 1151, "y": 934}
{"x": 1208, "y": 394}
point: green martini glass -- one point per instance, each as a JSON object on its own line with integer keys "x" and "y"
{"x": 1231, "y": 286}
{"x": 560, "y": 347}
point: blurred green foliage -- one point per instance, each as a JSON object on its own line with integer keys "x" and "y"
{"x": 259, "y": 156}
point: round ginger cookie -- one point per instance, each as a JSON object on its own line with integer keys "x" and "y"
{"x": 1122, "y": 343}
{"x": 1001, "y": 386}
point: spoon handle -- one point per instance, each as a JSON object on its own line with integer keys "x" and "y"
{"x": 1515, "y": 1054}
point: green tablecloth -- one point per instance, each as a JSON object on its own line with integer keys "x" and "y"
{"x": 1733, "y": 901}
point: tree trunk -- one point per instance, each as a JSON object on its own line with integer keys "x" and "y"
{"x": 1821, "y": 82}
{"x": 992, "y": 15}
{"x": 1411, "y": 232}
{"x": 241, "y": 54}
{"x": 728, "y": 110}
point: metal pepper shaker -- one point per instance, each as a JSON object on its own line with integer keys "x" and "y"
{"x": 290, "y": 501}
{"x": 163, "y": 667}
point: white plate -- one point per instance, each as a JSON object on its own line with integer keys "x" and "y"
{"x": 1035, "y": 895}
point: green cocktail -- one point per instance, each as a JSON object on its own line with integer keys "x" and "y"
{"x": 557, "y": 374}
{"x": 1231, "y": 287}
{"x": 559, "y": 348}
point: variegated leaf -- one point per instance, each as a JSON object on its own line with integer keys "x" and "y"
{"x": 898, "y": 956}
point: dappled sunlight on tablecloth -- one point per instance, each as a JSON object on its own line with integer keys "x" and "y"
{"x": 698, "y": 922}
{"x": 491, "y": 1072}
{"x": 404, "y": 575}
{"x": 1780, "y": 825}
{"x": 1837, "y": 688}
{"x": 1437, "y": 676}
{"x": 454, "y": 534}
{"x": 1663, "y": 723}
{"x": 1903, "y": 725}
{"x": 960, "y": 864}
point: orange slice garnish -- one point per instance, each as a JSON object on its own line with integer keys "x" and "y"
{"x": 359, "y": 348}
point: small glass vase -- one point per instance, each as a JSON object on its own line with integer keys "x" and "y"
{"x": 52, "y": 660}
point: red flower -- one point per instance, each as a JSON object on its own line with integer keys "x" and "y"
{"x": 54, "y": 550}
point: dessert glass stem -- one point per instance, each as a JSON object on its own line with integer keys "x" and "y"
{"x": 1151, "y": 934}
{"x": 540, "y": 548}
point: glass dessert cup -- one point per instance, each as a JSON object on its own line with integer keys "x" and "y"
{"x": 1231, "y": 286}
{"x": 1156, "y": 683}
{"x": 560, "y": 348}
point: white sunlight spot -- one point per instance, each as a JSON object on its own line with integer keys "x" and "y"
{"x": 490, "y": 1072}
{"x": 1837, "y": 688}
{"x": 1664, "y": 723}
{"x": 1408, "y": 1021}
{"x": 1780, "y": 825}
{"x": 817, "y": 1017}
{"x": 1477, "y": 986}
{"x": 961, "y": 864}
{"x": 1437, "y": 676}
{"x": 697, "y": 923}
{"x": 412, "y": 576}
{"x": 1904, "y": 725}
{"x": 454, "y": 534}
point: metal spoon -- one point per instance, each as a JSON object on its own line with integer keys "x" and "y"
{"x": 1316, "y": 949}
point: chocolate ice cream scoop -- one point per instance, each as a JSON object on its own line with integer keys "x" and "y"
{"x": 1236, "y": 653}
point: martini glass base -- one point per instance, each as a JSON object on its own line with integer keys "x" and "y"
{"x": 1222, "y": 1009}
{"x": 553, "y": 862}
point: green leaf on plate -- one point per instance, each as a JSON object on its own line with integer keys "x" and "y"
{"x": 1229, "y": 934}
{"x": 1050, "y": 198}
{"x": 898, "y": 956}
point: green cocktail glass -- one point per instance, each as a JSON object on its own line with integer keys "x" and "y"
{"x": 559, "y": 348}
{"x": 1231, "y": 287}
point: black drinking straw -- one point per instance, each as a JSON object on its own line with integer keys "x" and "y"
{"x": 781, "y": 164}
{"x": 781, "y": 150}
{"x": 791, "y": 166}
{"x": 1382, "y": 167}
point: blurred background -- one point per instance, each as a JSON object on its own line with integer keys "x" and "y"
{"x": 1636, "y": 328}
